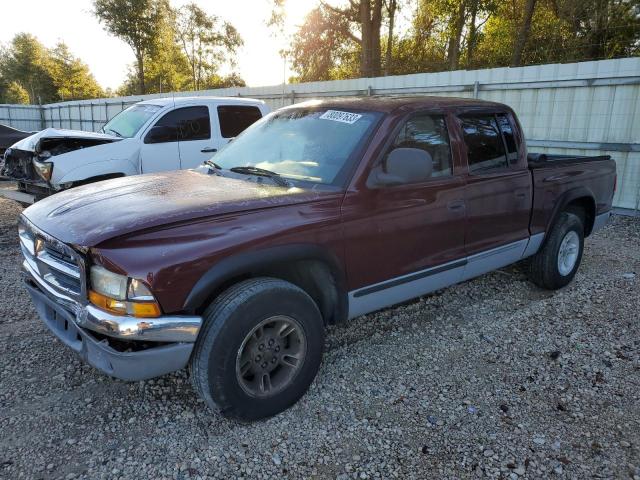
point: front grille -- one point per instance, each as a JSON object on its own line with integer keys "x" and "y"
{"x": 55, "y": 266}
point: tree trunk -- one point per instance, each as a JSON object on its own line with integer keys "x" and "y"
{"x": 523, "y": 33}
{"x": 370, "y": 23}
{"x": 454, "y": 41}
{"x": 365, "y": 25}
{"x": 376, "y": 50}
{"x": 473, "y": 34}
{"x": 140, "y": 62}
{"x": 388, "y": 56}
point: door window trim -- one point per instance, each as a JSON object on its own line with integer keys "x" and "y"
{"x": 378, "y": 159}
{"x": 492, "y": 113}
{"x": 161, "y": 115}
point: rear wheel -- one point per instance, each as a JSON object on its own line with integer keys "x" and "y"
{"x": 555, "y": 265}
{"x": 259, "y": 349}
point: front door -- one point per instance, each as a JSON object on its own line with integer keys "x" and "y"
{"x": 160, "y": 151}
{"x": 406, "y": 240}
{"x": 197, "y": 143}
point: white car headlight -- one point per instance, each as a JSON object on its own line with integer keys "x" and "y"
{"x": 44, "y": 169}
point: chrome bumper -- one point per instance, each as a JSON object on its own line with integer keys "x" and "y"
{"x": 171, "y": 328}
{"x": 159, "y": 329}
{"x": 131, "y": 366}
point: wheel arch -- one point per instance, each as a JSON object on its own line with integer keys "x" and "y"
{"x": 580, "y": 201}
{"x": 313, "y": 268}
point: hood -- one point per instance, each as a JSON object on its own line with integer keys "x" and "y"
{"x": 32, "y": 143}
{"x": 88, "y": 215}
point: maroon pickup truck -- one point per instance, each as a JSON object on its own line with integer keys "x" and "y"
{"x": 318, "y": 213}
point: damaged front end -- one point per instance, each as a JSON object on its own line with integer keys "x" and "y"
{"x": 30, "y": 162}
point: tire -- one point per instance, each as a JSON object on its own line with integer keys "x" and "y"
{"x": 228, "y": 363}
{"x": 547, "y": 268}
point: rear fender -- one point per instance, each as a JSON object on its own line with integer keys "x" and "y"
{"x": 563, "y": 202}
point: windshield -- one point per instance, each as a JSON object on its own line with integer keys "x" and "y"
{"x": 305, "y": 144}
{"x": 127, "y": 123}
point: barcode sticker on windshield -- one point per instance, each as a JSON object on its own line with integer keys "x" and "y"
{"x": 338, "y": 116}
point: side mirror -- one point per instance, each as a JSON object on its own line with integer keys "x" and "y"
{"x": 161, "y": 134}
{"x": 405, "y": 165}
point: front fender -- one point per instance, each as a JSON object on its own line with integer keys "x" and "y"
{"x": 263, "y": 260}
{"x": 97, "y": 169}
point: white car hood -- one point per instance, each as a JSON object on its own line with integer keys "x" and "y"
{"x": 30, "y": 144}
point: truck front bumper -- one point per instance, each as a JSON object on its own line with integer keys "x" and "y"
{"x": 76, "y": 326}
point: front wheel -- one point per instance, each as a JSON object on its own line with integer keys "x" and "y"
{"x": 259, "y": 349}
{"x": 555, "y": 265}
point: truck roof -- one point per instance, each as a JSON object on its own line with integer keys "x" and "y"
{"x": 204, "y": 99}
{"x": 390, "y": 104}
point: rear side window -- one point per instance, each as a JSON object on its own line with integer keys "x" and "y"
{"x": 182, "y": 124}
{"x": 509, "y": 138}
{"x": 428, "y": 133}
{"x": 234, "y": 119}
{"x": 485, "y": 148}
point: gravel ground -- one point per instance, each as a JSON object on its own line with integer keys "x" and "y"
{"x": 491, "y": 378}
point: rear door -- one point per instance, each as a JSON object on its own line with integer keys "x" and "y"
{"x": 234, "y": 119}
{"x": 498, "y": 184}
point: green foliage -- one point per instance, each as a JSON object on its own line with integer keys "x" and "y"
{"x": 324, "y": 48}
{"x": 452, "y": 34}
{"x": 71, "y": 77}
{"x": 24, "y": 61}
{"x": 207, "y": 42}
{"x": 16, "y": 94}
{"x": 43, "y": 75}
{"x": 137, "y": 23}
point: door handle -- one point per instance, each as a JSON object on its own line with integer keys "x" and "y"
{"x": 209, "y": 150}
{"x": 456, "y": 205}
{"x": 520, "y": 195}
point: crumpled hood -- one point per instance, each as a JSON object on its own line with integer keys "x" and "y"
{"x": 88, "y": 215}
{"x": 30, "y": 143}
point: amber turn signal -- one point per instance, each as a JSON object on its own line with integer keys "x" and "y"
{"x": 120, "y": 307}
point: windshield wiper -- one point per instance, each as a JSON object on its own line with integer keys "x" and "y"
{"x": 213, "y": 164}
{"x": 261, "y": 172}
{"x": 118, "y": 134}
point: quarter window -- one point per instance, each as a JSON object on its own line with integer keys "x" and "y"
{"x": 428, "y": 133}
{"x": 234, "y": 119}
{"x": 485, "y": 148}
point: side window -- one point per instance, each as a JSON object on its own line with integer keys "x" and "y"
{"x": 484, "y": 143}
{"x": 181, "y": 124}
{"x": 509, "y": 138}
{"x": 235, "y": 118}
{"x": 428, "y": 133}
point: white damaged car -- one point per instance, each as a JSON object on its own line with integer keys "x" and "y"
{"x": 151, "y": 136}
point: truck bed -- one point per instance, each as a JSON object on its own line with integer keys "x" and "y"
{"x": 540, "y": 160}
{"x": 558, "y": 179}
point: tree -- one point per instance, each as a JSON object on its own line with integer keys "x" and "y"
{"x": 324, "y": 48}
{"x": 206, "y": 41}
{"x": 15, "y": 93}
{"x": 24, "y": 61}
{"x": 70, "y": 76}
{"x": 523, "y": 33}
{"x": 137, "y": 23}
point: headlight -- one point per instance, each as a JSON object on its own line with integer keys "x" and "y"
{"x": 43, "y": 169}
{"x": 121, "y": 295}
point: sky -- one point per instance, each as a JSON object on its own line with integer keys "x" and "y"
{"x": 108, "y": 57}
